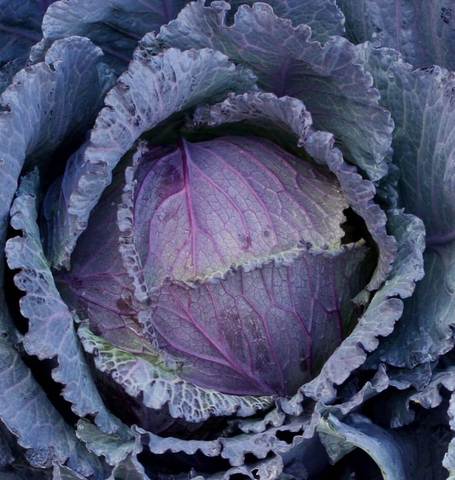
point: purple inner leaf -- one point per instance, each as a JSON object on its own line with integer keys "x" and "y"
{"x": 265, "y": 331}
{"x": 240, "y": 246}
{"x": 206, "y": 207}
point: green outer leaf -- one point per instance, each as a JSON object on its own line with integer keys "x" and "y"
{"x": 153, "y": 89}
{"x": 341, "y": 437}
{"x": 328, "y": 78}
{"x": 120, "y": 449}
{"x": 422, "y": 104}
{"x": 114, "y": 447}
{"x": 423, "y": 30}
{"x": 159, "y": 386}
{"x": 323, "y": 16}
{"x": 51, "y": 332}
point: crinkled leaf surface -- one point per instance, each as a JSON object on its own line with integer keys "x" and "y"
{"x": 423, "y": 30}
{"x": 27, "y": 413}
{"x": 203, "y": 208}
{"x": 426, "y": 328}
{"x": 158, "y": 386}
{"x": 262, "y": 331}
{"x": 422, "y": 104}
{"x": 337, "y": 90}
{"x": 324, "y": 17}
{"x": 114, "y": 25}
{"x": 153, "y": 88}
{"x": 47, "y": 104}
{"x": 20, "y": 28}
{"x": 51, "y": 332}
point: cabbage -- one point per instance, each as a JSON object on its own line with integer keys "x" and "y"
{"x": 228, "y": 233}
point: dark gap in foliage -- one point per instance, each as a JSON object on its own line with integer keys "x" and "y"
{"x": 356, "y": 465}
{"x": 13, "y": 296}
{"x": 354, "y": 228}
{"x": 157, "y": 421}
{"x": 53, "y": 166}
{"x": 354, "y": 384}
{"x": 251, "y": 459}
{"x": 12, "y": 293}
{"x": 181, "y": 463}
{"x": 41, "y": 371}
{"x": 239, "y": 476}
{"x": 287, "y": 436}
{"x": 282, "y": 138}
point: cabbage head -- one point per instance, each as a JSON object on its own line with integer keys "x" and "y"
{"x": 228, "y": 239}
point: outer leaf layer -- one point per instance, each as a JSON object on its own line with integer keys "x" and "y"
{"x": 327, "y": 78}
{"x": 46, "y": 105}
{"x": 426, "y": 330}
{"x": 339, "y": 438}
{"x": 424, "y": 150}
{"x": 422, "y": 30}
{"x": 51, "y": 330}
{"x": 421, "y": 102}
{"x": 324, "y": 17}
{"x": 114, "y": 25}
{"x": 26, "y": 412}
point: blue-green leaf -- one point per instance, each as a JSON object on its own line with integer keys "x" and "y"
{"x": 422, "y": 30}
{"x": 323, "y": 16}
{"x": 328, "y": 78}
{"x": 51, "y": 332}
